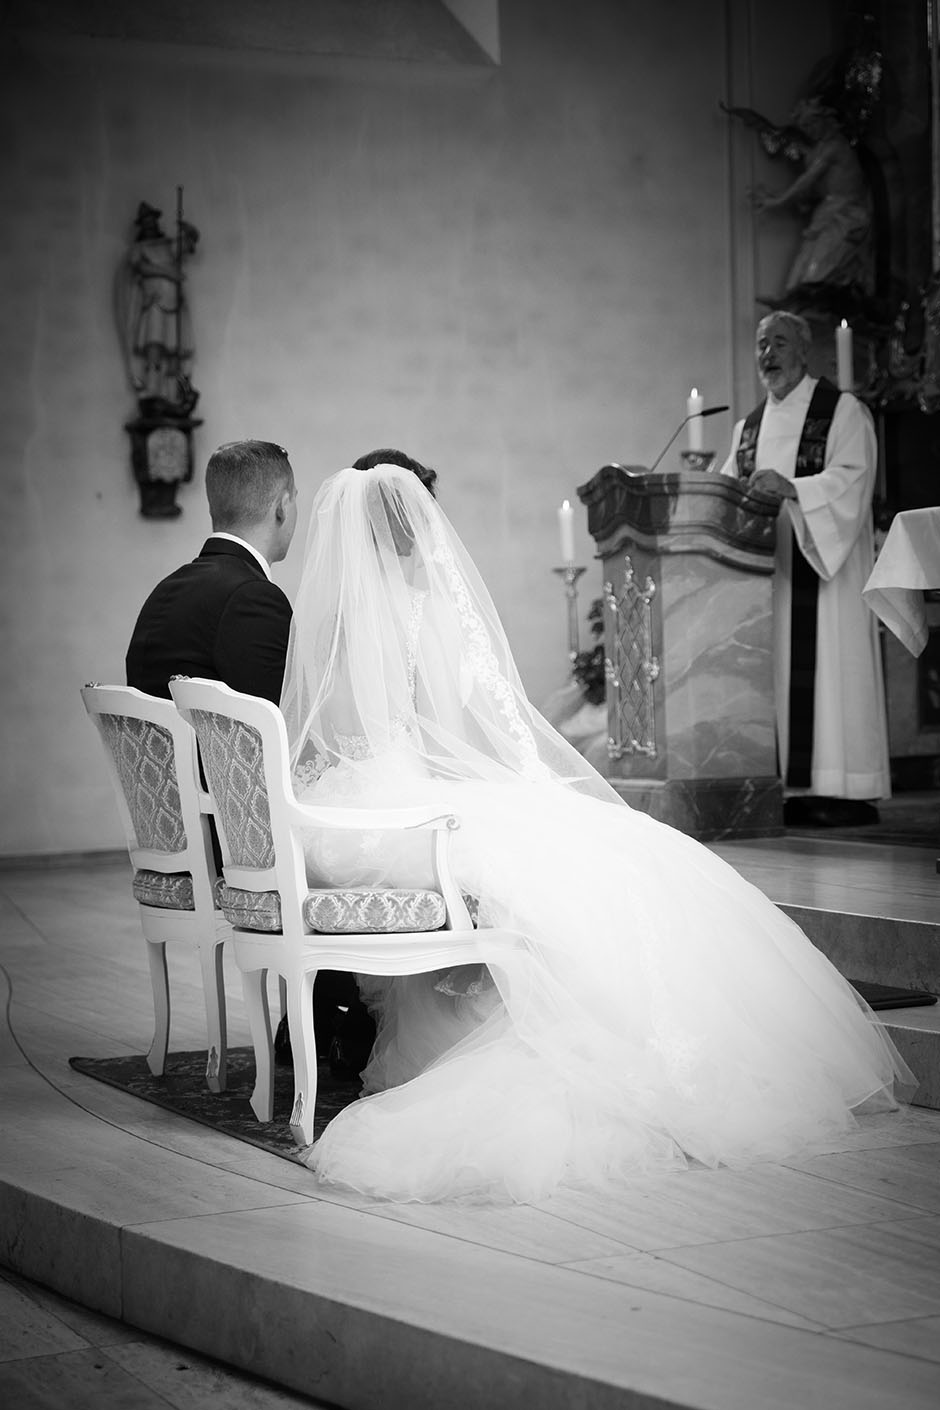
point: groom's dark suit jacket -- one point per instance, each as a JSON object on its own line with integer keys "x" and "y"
{"x": 217, "y": 617}
{"x": 221, "y": 618}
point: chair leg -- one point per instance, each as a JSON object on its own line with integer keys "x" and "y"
{"x": 304, "y": 1050}
{"x": 255, "y": 990}
{"x": 213, "y": 992}
{"x": 159, "y": 983}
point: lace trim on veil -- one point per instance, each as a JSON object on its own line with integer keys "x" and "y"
{"x": 481, "y": 663}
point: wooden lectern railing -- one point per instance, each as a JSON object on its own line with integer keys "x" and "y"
{"x": 688, "y": 562}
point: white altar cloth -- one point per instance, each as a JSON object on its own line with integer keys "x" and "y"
{"x": 908, "y": 565}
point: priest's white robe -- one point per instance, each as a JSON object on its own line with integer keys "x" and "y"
{"x": 831, "y": 522}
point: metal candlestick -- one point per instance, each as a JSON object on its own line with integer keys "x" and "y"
{"x": 570, "y": 575}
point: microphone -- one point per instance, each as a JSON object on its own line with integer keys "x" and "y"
{"x": 708, "y": 411}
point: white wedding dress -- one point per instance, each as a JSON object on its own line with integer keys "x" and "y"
{"x": 665, "y": 1010}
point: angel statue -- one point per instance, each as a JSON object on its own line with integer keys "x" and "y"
{"x": 152, "y": 315}
{"x": 837, "y": 246}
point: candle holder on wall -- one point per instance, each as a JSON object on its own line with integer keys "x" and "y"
{"x": 570, "y": 575}
{"x": 697, "y": 459}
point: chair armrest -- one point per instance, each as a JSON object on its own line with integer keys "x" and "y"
{"x": 370, "y": 819}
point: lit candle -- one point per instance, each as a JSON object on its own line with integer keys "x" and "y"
{"x": 845, "y": 369}
{"x": 694, "y": 407}
{"x": 566, "y": 532}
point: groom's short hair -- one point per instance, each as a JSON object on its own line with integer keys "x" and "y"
{"x": 243, "y": 479}
{"x": 425, "y": 474}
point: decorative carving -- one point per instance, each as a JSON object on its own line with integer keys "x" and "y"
{"x": 686, "y": 512}
{"x": 153, "y": 327}
{"x": 632, "y": 668}
{"x": 849, "y": 265}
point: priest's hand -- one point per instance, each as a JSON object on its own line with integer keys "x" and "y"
{"x": 773, "y": 483}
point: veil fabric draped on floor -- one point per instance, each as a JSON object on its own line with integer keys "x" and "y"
{"x": 664, "y": 1010}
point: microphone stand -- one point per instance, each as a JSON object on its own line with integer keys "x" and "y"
{"x": 675, "y": 433}
{"x": 708, "y": 411}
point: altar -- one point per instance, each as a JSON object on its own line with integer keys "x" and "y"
{"x": 688, "y": 560}
{"x": 908, "y": 566}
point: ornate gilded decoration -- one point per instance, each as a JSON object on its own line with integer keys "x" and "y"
{"x": 631, "y": 668}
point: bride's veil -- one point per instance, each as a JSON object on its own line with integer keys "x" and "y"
{"x": 395, "y": 636}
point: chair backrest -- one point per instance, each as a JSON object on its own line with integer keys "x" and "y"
{"x": 246, "y": 757}
{"x": 153, "y": 763}
{"x": 244, "y": 751}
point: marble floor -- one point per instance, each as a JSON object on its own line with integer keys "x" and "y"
{"x": 814, "y": 1281}
{"x": 56, "y": 1353}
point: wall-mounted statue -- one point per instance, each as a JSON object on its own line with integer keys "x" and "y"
{"x": 839, "y": 188}
{"x": 157, "y": 347}
{"x": 837, "y": 248}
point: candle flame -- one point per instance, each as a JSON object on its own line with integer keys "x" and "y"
{"x": 565, "y": 505}
{"x": 694, "y": 392}
{"x": 843, "y": 324}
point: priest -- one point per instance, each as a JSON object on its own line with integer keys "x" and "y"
{"x": 814, "y": 449}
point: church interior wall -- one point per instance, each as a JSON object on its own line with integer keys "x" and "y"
{"x": 514, "y": 271}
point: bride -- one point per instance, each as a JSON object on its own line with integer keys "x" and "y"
{"x": 663, "y": 1011}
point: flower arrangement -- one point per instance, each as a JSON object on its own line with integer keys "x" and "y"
{"x": 588, "y": 667}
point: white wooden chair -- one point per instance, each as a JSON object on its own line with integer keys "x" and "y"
{"x": 244, "y": 750}
{"x": 153, "y": 763}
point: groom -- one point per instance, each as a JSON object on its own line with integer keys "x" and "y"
{"x": 221, "y": 617}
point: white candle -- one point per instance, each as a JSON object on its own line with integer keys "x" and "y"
{"x": 566, "y": 532}
{"x": 694, "y": 407}
{"x": 845, "y": 368}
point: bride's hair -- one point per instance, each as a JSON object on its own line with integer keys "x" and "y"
{"x": 425, "y": 474}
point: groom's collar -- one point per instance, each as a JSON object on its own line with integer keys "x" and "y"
{"x": 233, "y": 538}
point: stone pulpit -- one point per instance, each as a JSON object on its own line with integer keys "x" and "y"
{"x": 688, "y": 562}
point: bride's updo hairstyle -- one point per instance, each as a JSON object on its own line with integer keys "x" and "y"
{"x": 425, "y": 474}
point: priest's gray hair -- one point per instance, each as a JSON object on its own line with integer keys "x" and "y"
{"x": 796, "y": 323}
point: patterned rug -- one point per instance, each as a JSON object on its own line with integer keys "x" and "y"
{"x": 887, "y": 996}
{"x": 182, "y": 1089}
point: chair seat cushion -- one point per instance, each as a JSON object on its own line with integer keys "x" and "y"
{"x": 170, "y": 890}
{"x": 354, "y": 910}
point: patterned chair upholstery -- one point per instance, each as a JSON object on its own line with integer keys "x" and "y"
{"x": 233, "y": 758}
{"x": 152, "y": 761}
{"x": 283, "y": 926}
{"x": 173, "y": 891}
{"x": 358, "y": 910}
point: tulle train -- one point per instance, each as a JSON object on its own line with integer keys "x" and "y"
{"x": 665, "y": 1011}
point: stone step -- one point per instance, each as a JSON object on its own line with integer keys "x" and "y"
{"x": 916, "y": 1032}
{"x": 884, "y": 950}
{"x": 879, "y": 949}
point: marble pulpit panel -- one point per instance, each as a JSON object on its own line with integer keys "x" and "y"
{"x": 713, "y": 694}
{"x": 688, "y": 562}
{"x": 717, "y": 669}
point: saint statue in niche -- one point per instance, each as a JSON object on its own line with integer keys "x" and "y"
{"x": 837, "y": 245}
{"x": 153, "y": 318}
{"x": 156, "y": 343}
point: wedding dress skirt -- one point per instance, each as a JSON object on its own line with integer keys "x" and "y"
{"x": 664, "y": 1010}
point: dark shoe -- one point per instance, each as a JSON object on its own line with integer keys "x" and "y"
{"x": 283, "y": 1057}
{"x": 350, "y": 1049}
{"x": 806, "y": 811}
{"x": 283, "y": 1054}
